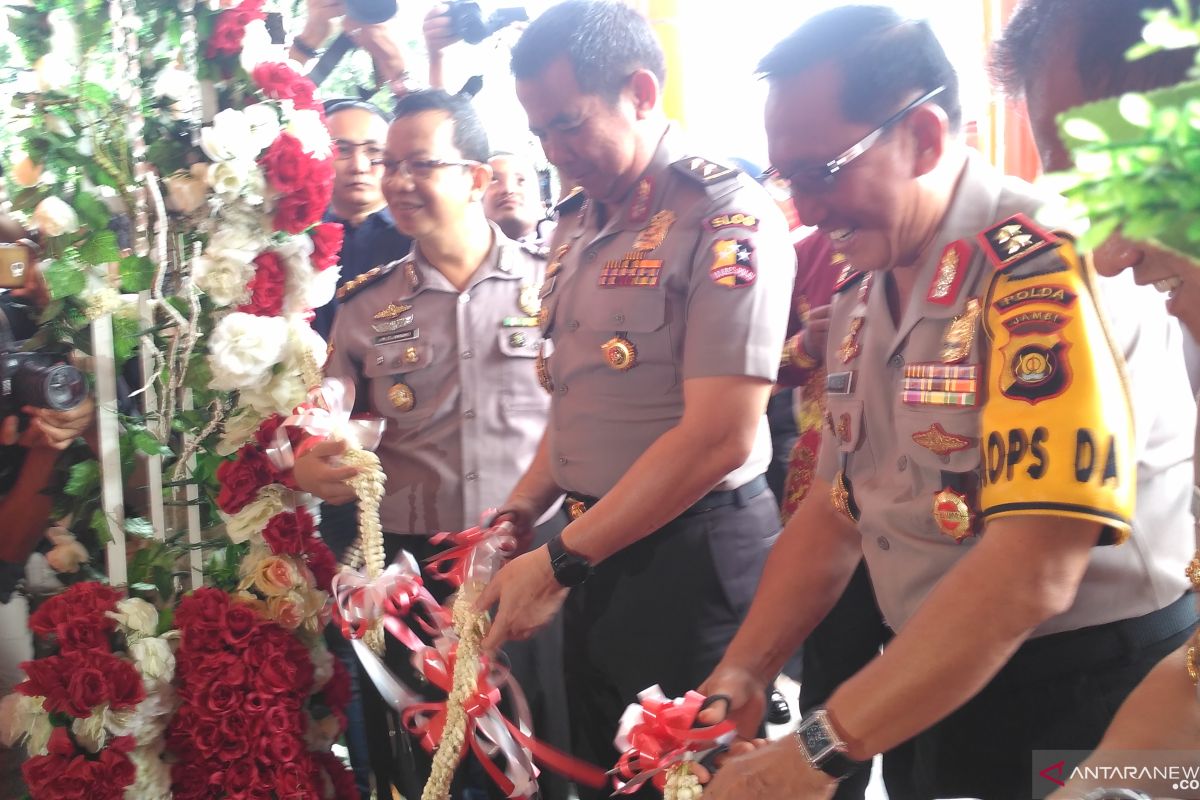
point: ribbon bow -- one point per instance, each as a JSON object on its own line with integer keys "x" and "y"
{"x": 475, "y": 554}
{"x": 658, "y": 733}
{"x": 326, "y": 414}
{"x": 358, "y": 601}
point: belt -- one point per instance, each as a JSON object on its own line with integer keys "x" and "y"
{"x": 1079, "y": 650}
{"x": 577, "y": 504}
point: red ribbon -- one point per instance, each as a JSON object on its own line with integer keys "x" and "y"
{"x": 659, "y": 733}
{"x": 470, "y": 547}
{"x": 394, "y": 595}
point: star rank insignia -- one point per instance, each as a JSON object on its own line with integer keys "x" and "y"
{"x": 703, "y": 170}
{"x": 1014, "y": 240}
{"x": 937, "y": 440}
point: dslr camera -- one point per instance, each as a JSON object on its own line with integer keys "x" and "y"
{"x": 33, "y": 378}
{"x": 468, "y": 21}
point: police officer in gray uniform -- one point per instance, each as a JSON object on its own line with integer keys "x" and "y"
{"x": 665, "y": 305}
{"x": 442, "y": 345}
{"x": 1007, "y": 444}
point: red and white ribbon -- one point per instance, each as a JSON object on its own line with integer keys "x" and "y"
{"x": 327, "y": 415}
{"x": 399, "y": 591}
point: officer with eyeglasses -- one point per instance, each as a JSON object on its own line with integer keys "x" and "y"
{"x": 1024, "y": 532}
{"x": 358, "y": 130}
{"x": 442, "y": 344}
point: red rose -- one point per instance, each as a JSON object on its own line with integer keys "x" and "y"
{"x": 240, "y": 623}
{"x": 267, "y": 434}
{"x": 242, "y": 478}
{"x": 322, "y": 563}
{"x": 341, "y": 778}
{"x": 230, "y": 29}
{"x": 117, "y": 769}
{"x": 281, "y": 82}
{"x": 257, "y": 703}
{"x": 288, "y": 672}
{"x": 292, "y": 782}
{"x": 89, "y": 600}
{"x": 327, "y": 244}
{"x": 283, "y": 721}
{"x": 46, "y": 678}
{"x": 189, "y": 779}
{"x": 204, "y": 605}
{"x": 240, "y": 777}
{"x": 206, "y": 734}
{"x": 267, "y": 286}
{"x": 288, "y": 533}
{"x": 82, "y": 634}
{"x": 286, "y": 164}
{"x": 125, "y": 688}
{"x": 303, "y": 206}
{"x": 86, "y": 689}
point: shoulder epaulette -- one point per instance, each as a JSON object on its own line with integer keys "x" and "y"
{"x": 704, "y": 171}
{"x": 354, "y": 285}
{"x": 1014, "y": 240}
{"x": 847, "y": 278}
{"x": 572, "y": 201}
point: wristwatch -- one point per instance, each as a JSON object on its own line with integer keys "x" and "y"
{"x": 823, "y": 748}
{"x": 570, "y": 569}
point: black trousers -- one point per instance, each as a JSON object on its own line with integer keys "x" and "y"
{"x": 1058, "y": 692}
{"x": 848, "y": 639}
{"x": 398, "y": 759}
{"x": 661, "y": 611}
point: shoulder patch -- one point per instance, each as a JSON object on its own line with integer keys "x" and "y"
{"x": 1014, "y": 240}
{"x": 847, "y": 278}
{"x": 351, "y": 287}
{"x": 704, "y": 171}
{"x": 571, "y": 202}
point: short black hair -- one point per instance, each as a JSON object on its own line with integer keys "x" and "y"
{"x": 604, "y": 41}
{"x": 883, "y": 58}
{"x": 1104, "y": 31}
{"x": 346, "y": 103}
{"x": 469, "y": 136}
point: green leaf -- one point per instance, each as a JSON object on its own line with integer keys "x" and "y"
{"x": 164, "y": 582}
{"x": 1084, "y": 130}
{"x": 166, "y": 620}
{"x": 84, "y": 479}
{"x": 65, "y": 278}
{"x": 96, "y": 94}
{"x": 99, "y": 526}
{"x": 137, "y": 273}
{"x": 100, "y": 248}
{"x": 125, "y": 337}
{"x": 149, "y": 444}
{"x": 92, "y": 210}
{"x": 139, "y": 527}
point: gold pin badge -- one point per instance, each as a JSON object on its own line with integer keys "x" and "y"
{"x": 654, "y": 234}
{"x": 620, "y": 353}
{"x": 543, "y": 371}
{"x": 850, "y": 347}
{"x": 556, "y": 263}
{"x": 960, "y": 333}
{"x": 530, "y": 299}
{"x": 839, "y": 496}
{"x": 392, "y": 310}
{"x": 402, "y": 398}
{"x": 411, "y": 356}
{"x": 575, "y": 509}
{"x": 952, "y": 514}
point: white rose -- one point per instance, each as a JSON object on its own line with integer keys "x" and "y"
{"x": 89, "y": 731}
{"x": 307, "y": 126}
{"x": 136, "y": 616}
{"x": 67, "y": 553}
{"x": 237, "y": 240}
{"x": 184, "y": 193}
{"x": 19, "y": 717}
{"x": 257, "y": 46}
{"x": 26, "y": 172}
{"x": 153, "y": 779}
{"x": 228, "y": 177}
{"x": 283, "y": 393}
{"x": 228, "y": 137}
{"x": 304, "y": 342}
{"x": 263, "y": 119}
{"x": 253, "y": 518}
{"x": 154, "y": 659}
{"x": 322, "y": 287}
{"x": 243, "y": 348}
{"x": 54, "y": 217}
{"x": 224, "y": 280}
{"x": 239, "y": 429}
{"x": 53, "y": 73}
{"x": 38, "y": 727}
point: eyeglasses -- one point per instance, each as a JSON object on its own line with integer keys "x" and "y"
{"x": 344, "y": 149}
{"x": 418, "y": 168}
{"x": 815, "y": 180}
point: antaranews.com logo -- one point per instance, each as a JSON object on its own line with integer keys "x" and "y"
{"x": 1156, "y": 773}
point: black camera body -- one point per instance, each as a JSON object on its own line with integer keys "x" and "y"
{"x": 468, "y": 21}
{"x": 31, "y": 377}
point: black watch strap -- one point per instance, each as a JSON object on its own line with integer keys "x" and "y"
{"x": 570, "y": 569}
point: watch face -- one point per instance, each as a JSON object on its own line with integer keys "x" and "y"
{"x": 815, "y": 740}
{"x": 571, "y": 573}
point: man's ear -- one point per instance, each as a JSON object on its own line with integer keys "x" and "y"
{"x": 645, "y": 92}
{"x": 481, "y": 179}
{"x": 930, "y": 131}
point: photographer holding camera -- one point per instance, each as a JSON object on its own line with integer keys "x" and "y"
{"x": 365, "y": 23}
{"x": 31, "y": 437}
{"x": 460, "y": 21}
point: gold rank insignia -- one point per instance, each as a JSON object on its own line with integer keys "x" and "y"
{"x": 850, "y": 346}
{"x": 937, "y": 440}
{"x": 960, "y": 333}
{"x": 620, "y": 353}
{"x": 530, "y": 298}
{"x": 556, "y": 262}
{"x": 639, "y": 209}
{"x": 952, "y": 514}
{"x": 1193, "y": 570}
{"x": 952, "y": 268}
{"x": 392, "y": 311}
{"x": 841, "y": 498}
{"x": 354, "y": 284}
{"x": 1014, "y": 240}
{"x": 543, "y": 370}
{"x": 412, "y": 276}
{"x": 402, "y": 397}
{"x": 654, "y": 234}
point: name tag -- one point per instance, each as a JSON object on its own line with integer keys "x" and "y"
{"x": 398, "y": 336}
{"x": 839, "y": 382}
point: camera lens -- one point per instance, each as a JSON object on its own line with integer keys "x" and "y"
{"x": 56, "y": 386}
